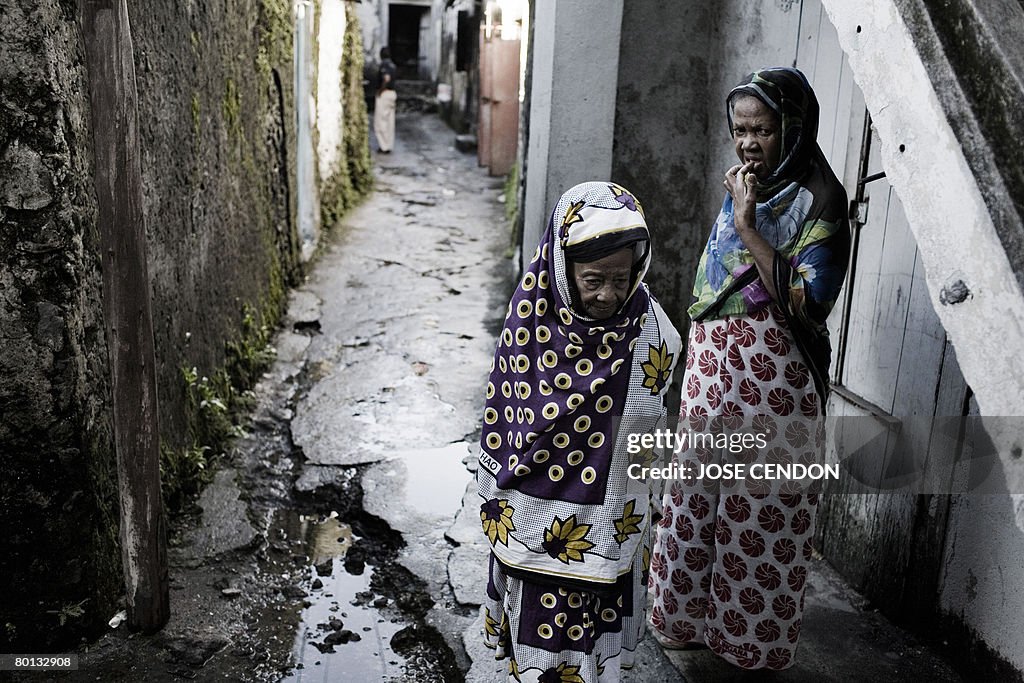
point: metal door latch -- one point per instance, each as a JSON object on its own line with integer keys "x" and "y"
{"x": 859, "y": 211}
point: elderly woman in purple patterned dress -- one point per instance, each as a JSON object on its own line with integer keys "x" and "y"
{"x": 584, "y": 357}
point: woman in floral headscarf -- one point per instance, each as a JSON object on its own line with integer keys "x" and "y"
{"x": 730, "y": 564}
{"x": 584, "y": 359}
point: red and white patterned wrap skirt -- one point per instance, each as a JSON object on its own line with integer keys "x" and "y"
{"x": 731, "y": 557}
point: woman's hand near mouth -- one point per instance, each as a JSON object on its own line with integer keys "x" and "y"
{"x": 741, "y": 183}
{"x": 755, "y": 165}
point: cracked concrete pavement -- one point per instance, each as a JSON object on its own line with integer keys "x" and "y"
{"x": 410, "y": 296}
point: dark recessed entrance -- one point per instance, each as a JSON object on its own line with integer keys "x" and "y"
{"x": 407, "y": 32}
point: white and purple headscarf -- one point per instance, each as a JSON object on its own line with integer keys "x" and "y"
{"x": 556, "y": 497}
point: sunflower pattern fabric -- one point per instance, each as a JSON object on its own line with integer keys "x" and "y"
{"x": 566, "y": 634}
{"x": 561, "y": 515}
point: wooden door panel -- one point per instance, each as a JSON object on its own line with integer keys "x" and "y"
{"x": 504, "y": 137}
{"x": 892, "y": 360}
{"x": 860, "y": 372}
{"x": 823, "y": 62}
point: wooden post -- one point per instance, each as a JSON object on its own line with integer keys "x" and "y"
{"x": 126, "y": 308}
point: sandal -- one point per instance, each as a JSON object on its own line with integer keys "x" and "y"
{"x": 669, "y": 644}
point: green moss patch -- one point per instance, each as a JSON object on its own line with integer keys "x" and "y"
{"x": 352, "y": 175}
{"x": 275, "y": 28}
{"x": 215, "y": 406}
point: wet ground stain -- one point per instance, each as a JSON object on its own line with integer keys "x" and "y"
{"x": 317, "y": 595}
{"x": 362, "y": 614}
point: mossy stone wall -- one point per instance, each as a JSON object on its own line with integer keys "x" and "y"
{"x": 59, "y": 560}
{"x": 352, "y": 175}
{"x": 216, "y": 120}
{"x": 216, "y": 126}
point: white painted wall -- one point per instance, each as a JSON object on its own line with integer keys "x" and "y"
{"x": 457, "y": 108}
{"x": 307, "y": 196}
{"x": 983, "y": 578}
{"x": 572, "y": 107}
{"x": 369, "y": 14}
{"x": 329, "y": 112}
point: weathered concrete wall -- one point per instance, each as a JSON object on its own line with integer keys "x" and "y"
{"x": 572, "y": 104}
{"x": 661, "y": 135}
{"x": 981, "y": 41}
{"x": 56, "y": 455}
{"x": 372, "y": 27}
{"x": 461, "y": 112}
{"x": 982, "y": 582}
{"x": 931, "y": 111}
{"x": 432, "y": 49}
{"x": 677, "y": 63}
{"x": 749, "y": 36}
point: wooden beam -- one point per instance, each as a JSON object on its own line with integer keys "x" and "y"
{"x": 126, "y": 308}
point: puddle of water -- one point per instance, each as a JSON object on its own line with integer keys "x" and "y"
{"x": 436, "y": 478}
{"x": 367, "y": 656}
{"x": 370, "y": 658}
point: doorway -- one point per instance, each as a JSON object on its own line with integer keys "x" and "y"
{"x": 407, "y": 38}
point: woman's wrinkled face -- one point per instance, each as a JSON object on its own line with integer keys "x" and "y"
{"x": 603, "y": 285}
{"x": 756, "y": 135}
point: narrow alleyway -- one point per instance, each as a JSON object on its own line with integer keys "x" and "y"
{"x": 407, "y": 301}
{"x": 408, "y": 304}
{"x": 340, "y": 540}
{"x": 323, "y": 548}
